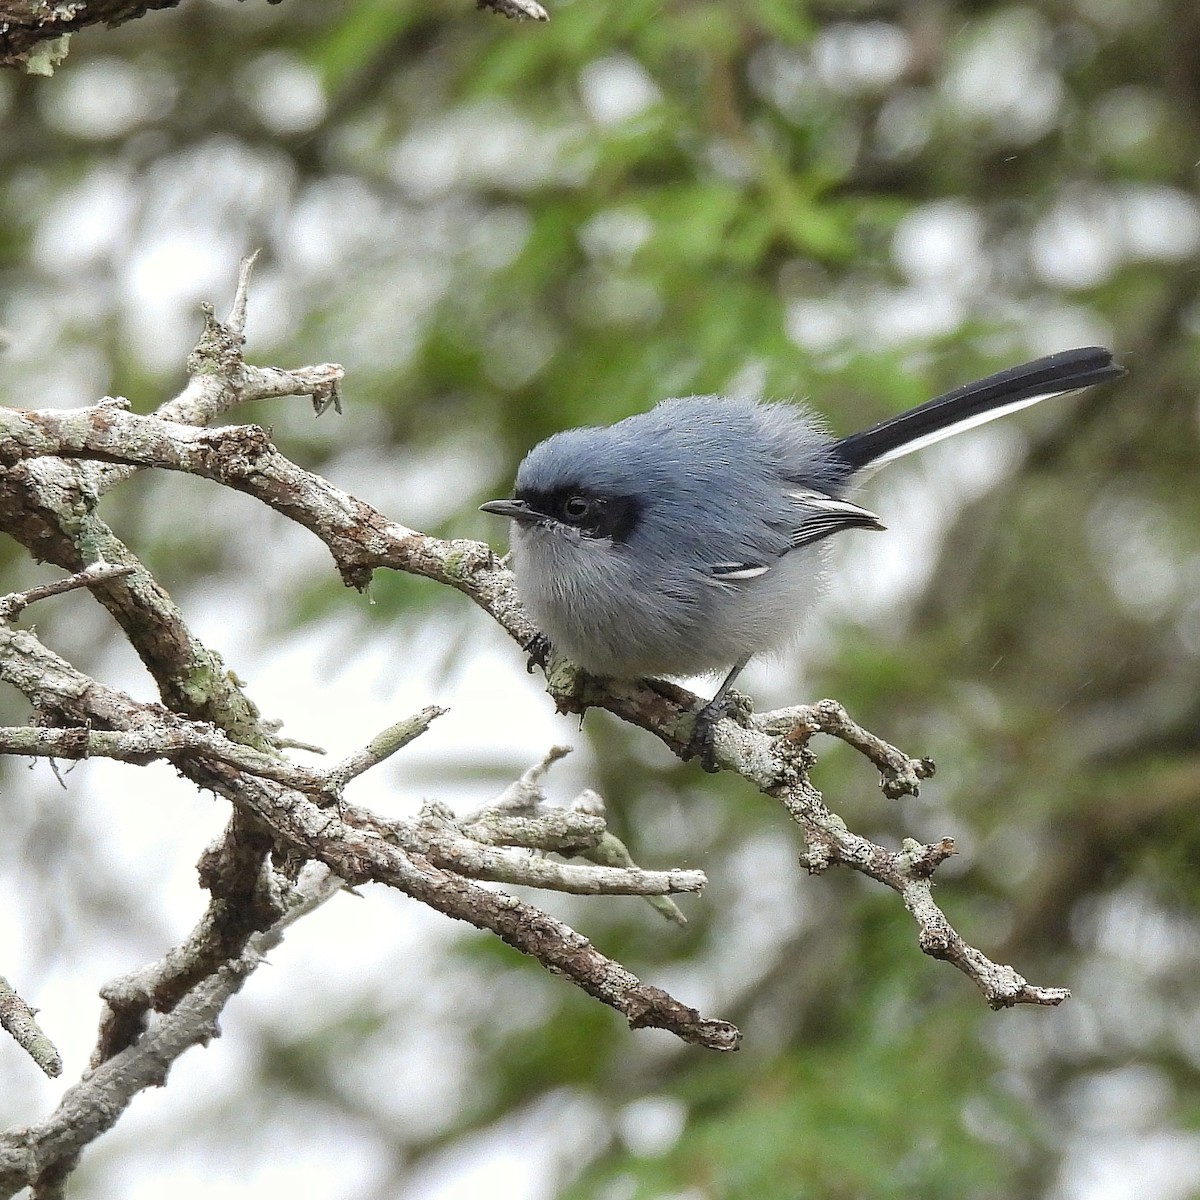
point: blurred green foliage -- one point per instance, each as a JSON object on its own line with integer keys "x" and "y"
{"x": 503, "y": 230}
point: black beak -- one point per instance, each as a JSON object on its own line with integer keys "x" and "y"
{"x": 518, "y": 510}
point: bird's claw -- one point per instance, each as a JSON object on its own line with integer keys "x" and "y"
{"x": 538, "y": 648}
{"x": 702, "y": 744}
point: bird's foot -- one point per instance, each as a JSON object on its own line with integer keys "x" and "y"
{"x": 702, "y": 744}
{"x": 538, "y": 648}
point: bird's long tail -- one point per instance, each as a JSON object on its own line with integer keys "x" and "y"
{"x": 974, "y": 403}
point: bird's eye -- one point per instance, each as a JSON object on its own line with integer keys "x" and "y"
{"x": 577, "y": 507}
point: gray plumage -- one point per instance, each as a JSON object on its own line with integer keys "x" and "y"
{"x": 679, "y": 595}
{"x": 690, "y": 538}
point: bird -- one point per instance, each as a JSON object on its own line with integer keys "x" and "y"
{"x": 690, "y": 538}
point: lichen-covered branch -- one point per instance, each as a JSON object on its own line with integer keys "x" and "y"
{"x": 476, "y": 847}
{"x": 43, "y": 1154}
{"x": 348, "y": 840}
{"x": 49, "y": 506}
{"x": 769, "y": 751}
{"x": 899, "y": 775}
{"x": 34, "y": 33}
{"x": 20, "y": 1022}
{"x": 293, "y": 838}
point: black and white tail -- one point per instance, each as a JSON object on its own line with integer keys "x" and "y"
{"x": 976, "y": 403}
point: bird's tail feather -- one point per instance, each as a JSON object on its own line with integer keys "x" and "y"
{"x": 975, "y": 403}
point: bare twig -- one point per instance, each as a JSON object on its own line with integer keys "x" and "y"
{"x": 467, "y": 848}
{"x": 439, "y": 836}
{"x": 163, "y": 735}
{"x": 20, "y": 1021}
{"x": 610, "y": 851}
{"x": 236, "y": 321}
{"x": 525, "y": 793}
{"x": 547, "y": 828}
{"x": 15, "y": 603}
{"x": 380, "y": 747}
{"x": 522, "y": 811}
{"x": 43, "y": 1154}
{"x": 351, "y": 845}
{"x": 900, "y": 775}
{"x": 219, "y": 378}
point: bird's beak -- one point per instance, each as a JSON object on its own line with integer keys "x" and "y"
{"x": 518, "y": 510}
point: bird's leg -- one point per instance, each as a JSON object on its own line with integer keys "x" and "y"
{"x": 701, "y": 743}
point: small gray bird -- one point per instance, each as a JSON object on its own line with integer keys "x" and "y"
{"x": 692, "y": 537}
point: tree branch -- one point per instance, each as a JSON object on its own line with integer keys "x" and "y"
{"x": 20, "y": 1022}
{"x": 15, "y": 603}
{"x": 55, "y": 465}
{"x": 349, "y": 842}
{"x": 41, "y": 1156}
{"x": 467, "y": 847}
{"x": 27, "y": 25}
{"x": 769, "y": 751}
{"x": 34, "y": 33}
{"x": 899, "y": 774}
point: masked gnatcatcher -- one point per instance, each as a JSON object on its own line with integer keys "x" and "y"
{"x": 692, "y": 537}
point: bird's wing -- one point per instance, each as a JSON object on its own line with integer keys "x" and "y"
{"x": 734, "y": 572}
{"x": 811, "y": 516}
{"x": 817, "y": 515}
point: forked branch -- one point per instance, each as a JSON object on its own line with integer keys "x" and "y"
{"x": 287, "y": 815}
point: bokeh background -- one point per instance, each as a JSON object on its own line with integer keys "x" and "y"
{"x": 501, "y": 230}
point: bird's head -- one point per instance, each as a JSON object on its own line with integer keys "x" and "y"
{"x": 578, "y": 484}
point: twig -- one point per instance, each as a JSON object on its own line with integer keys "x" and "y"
{"x": 1001, "y": 985}
{"x": 43, "y": 1154}
{"x": 900, "y": 775}
{"x": 351, "y": 846}
{"x": 499, "y": 822}
{"x": 236, "y": 321}
{"x": 15, "y": 603}
{"x": 549, "y": 828}
{"x": 516, "y": 10}
{"x": 610, "y": 851}
{"x": 18, "y": 1019}
{"x": 380, "y": 747}
{"x": 163, "y": 735}
{"x": 618, "y": 877}
{"x": 464, "y": 847}
{"x": 467, "y": 847}
{"x": 525, "y": 792}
